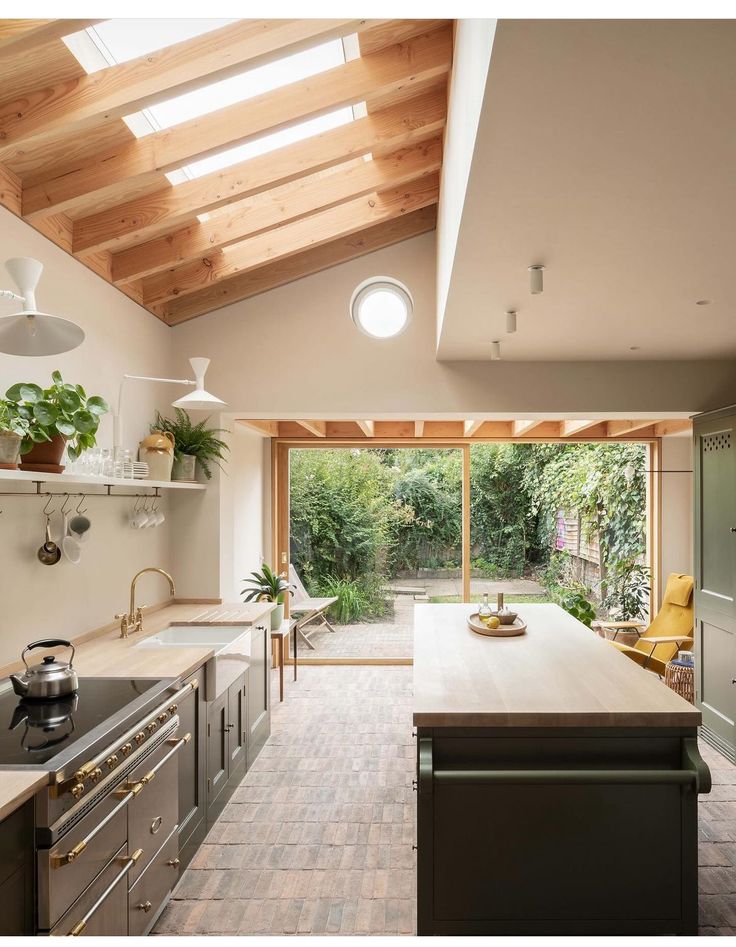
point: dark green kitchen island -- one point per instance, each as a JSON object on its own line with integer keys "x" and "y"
{"x": 557, "y": 783}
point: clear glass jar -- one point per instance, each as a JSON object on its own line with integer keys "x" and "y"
{"x": 485, "y": 610}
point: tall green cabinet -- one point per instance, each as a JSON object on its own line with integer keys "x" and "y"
{"x": 715, "y": 576}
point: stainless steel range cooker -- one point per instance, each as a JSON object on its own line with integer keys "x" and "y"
{"x": 105, "y": 826}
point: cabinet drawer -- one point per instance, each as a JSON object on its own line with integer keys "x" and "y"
{"x": 16, "y": 841}
{"x": 154, "y": 812}
{"x": 110, "y": 918}
{"x": 151, "y": 891}
{"x": 60, "y": 883}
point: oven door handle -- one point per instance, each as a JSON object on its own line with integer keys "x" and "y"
{"x": 126, "y": 794}
{"x": 176, "y": 745}
{"x": 128, "y": 863}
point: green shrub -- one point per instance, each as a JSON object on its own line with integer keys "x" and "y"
{"x": 576, "y": 602}
{"x": 360, "y": 599}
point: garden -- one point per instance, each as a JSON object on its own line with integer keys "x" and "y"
{"x": 365, "y": 519}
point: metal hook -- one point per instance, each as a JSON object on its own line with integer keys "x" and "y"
{"x": 46, "y": 511}
{"x": 79, "y": 505}
{"x": 64, "y": 504}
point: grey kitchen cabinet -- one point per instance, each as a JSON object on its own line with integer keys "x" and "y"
{"x": 227, "y": 743}
{"x": 16, "y": 872}
{"x": 259, "y": 691}
{"x": 217, "y": 751}
{"x": 192, "y": 710}
{"x": 715, "y": 576}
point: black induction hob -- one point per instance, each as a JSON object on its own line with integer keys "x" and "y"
{"x": 34, "y": 732}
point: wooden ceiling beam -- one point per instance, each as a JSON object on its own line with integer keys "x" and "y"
{"x": 378, "y": 36}
{"x": 389, "y": 130}
{"x": 266, "y": 428}
{"x": 472, "y": 427}
{"x": 296, "y": 267}
{"x": 524, "y": 427}
{"x": 273, "y": 208}
{"x": 672, "y": 426}
{"x": 291, "y": 238}
{"x": 622, "y": 428}
{"x": 160, "y": 75}
{"x": 573, "y": 428}
{"x": 419, "y": 429}
{"x": 398, "y": 67}
{"x": 367, "y": 427}
{"x": 24, "y": 36}
{"x": 317, "y": 428}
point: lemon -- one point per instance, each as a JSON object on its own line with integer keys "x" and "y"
{"x": 493, "y": 622}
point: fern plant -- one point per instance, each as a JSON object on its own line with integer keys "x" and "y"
{"x": 196, "y": 440}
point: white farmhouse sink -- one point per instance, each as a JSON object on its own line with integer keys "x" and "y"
{"x": 230, "y": 644}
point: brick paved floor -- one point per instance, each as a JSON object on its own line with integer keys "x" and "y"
{"x": 318, "y": 837}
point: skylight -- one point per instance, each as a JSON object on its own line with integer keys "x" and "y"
{"x": 116, "y": 41}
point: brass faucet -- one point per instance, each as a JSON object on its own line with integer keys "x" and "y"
{"x": 133, "y": 621}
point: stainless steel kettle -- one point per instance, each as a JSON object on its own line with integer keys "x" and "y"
{"x": 49, "y": 679}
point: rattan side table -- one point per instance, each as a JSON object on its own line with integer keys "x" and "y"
{"x": 681, "y": 678}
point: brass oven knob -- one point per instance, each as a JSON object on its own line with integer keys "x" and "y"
{"x": 144, "y": 906}
{"x": 152, "y": 727}
{"x": 173, "y": 862}
{"x": 162, "y": 718}
{"x": 126, "y": 748}
{"x": 95, "y": 774}
{"x": 173, "y": 709}
{"x": 77, "y": 790}
{"x": 139, "y": 737}
{"x": 112, "y": 761}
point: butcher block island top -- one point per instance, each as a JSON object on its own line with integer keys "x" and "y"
{"x": 558, "y": 674}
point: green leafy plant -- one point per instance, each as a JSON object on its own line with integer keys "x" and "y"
{"x": 62, "y": 409}
{"x": 576, "y": 602}
{"x": 11, "y": 421}
{"x": 358, "y": 599}
{"x": 266, "y": 586}
{"x": 197, "y": 440}
{"x": 627, "y": 584}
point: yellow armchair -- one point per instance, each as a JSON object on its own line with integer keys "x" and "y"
{"x": 670, "y": 631}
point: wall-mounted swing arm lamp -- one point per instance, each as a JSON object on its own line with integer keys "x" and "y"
{"x": 30, "y": 331}
{"x": 197, "y": 400}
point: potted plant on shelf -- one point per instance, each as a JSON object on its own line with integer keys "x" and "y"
{"x": 58, "y": 416}
{"x": 193, "y": 444}
{"x": 13, "y": 428}
{"x": 267, "y": 586}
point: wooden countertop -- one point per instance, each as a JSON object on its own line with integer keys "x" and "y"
{"x": 16, "y": 786}
{"x": 559, "y": 674}
{"x": 108, "y": 655}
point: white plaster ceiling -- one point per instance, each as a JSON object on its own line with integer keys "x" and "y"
{"x": 606, "y": 150}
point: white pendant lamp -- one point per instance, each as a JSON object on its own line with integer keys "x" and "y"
{"x": 199, "y": 399}
{"x": 536, "y": 279}
{"x": 511, "y": 321}
{"x": 31, "y": 332}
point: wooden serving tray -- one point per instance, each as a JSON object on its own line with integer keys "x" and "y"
{"x": 503, "y": 631}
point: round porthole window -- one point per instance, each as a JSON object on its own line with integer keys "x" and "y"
{"x": 381, "y": 307}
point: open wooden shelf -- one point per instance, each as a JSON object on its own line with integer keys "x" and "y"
{"x": 80, "y": 480}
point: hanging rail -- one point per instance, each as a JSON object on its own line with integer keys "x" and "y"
{"x": 38, "y": 492}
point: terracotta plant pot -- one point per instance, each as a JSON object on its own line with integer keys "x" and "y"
{"x": 45, "y": 457}
{"x": 9, "y": 450}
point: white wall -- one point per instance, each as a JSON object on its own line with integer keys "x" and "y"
{"x": 471, "y": 58}
{"x": 676, "y": 507}
{"x": 294, "y": 352}
{"x": 35, "y": 600}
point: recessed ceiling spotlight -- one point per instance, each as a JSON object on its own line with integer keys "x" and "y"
{"x": 511, "y": 321}
{"x": 536, "y": 279}
{"x": 495, "y": 351}
{"x": 703, "y": 302}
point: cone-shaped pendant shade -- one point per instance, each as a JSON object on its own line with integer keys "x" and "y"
{"x": 31, "y": 332}
{"x": 199, "y": 399}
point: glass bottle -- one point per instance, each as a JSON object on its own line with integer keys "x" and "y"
{"x": 485, "y": 610}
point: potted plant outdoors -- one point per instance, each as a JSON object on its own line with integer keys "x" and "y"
{"x": 193, "y": 444}
{"x": 58, "y": 416}
{"x": 267, "y": 586}
{"x": 13, "y": 429}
